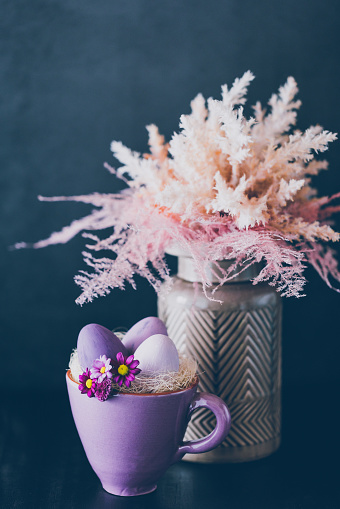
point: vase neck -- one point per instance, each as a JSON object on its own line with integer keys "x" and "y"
{"x": 186, "y": 270}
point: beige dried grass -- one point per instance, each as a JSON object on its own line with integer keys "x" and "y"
{"x": 171, "y": 381}
{"x": 75, "y": 366}
{"x": 164, "y": 382}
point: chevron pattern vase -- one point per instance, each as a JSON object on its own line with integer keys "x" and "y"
{"x": 238, "y": 348}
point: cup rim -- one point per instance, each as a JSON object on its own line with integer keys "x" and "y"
{"x": 191, "y": 386}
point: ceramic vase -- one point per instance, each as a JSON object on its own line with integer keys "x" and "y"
{"x": 238, "y": 347}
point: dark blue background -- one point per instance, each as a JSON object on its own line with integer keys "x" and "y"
{"x": 76, "y": 75}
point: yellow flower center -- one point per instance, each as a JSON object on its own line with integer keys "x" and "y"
{"x": 89, "y": 383}
{"x": 123, "y": 370}
{"x": 102, "y": 370}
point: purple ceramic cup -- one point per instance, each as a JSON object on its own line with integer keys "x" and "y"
{"x": 130, "y": 440}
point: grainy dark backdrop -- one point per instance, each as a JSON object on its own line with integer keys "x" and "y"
{"x": 74, "y": 76}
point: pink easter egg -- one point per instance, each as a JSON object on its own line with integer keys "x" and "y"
{"x": 157, "y": 354}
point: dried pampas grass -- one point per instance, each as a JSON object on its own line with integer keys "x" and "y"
{"x": 150, "y": 384}
{"x": 226, "y": 187}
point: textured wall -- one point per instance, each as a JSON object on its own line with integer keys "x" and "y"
{"x": 74, "y": 76}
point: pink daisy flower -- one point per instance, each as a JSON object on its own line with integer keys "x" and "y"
{"x": 101, "y": 369}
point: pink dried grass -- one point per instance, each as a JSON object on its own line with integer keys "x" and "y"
{"x": 225, "y": 187}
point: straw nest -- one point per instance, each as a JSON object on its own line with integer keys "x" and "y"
{"x": 150, "y": 384}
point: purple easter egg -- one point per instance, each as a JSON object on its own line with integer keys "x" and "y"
{"x": 95, "y": 340}
{"x": 143, "y": 329}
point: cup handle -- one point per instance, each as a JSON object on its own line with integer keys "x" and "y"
{"x": 223, "y": 422}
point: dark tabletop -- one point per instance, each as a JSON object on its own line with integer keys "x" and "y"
{"x": 43, "y": 464}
